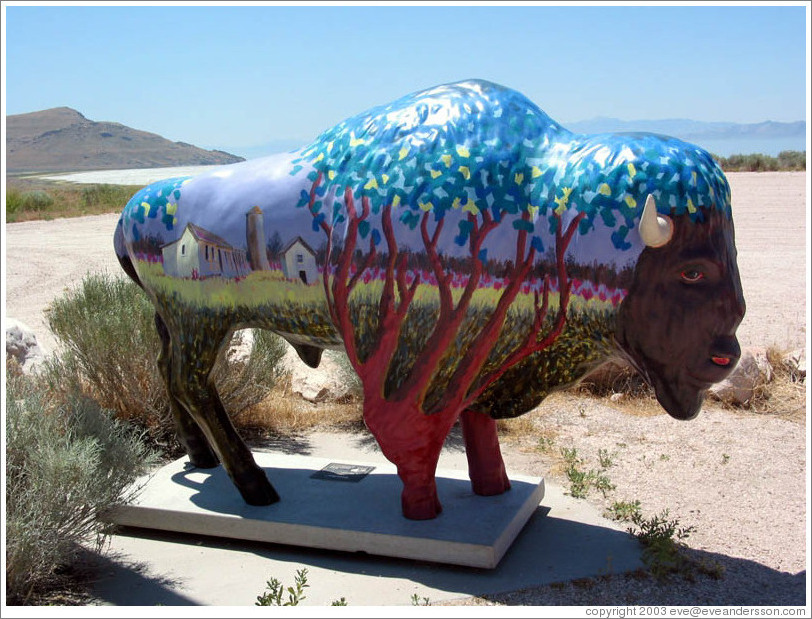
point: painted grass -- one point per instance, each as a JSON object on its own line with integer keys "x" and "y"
{"x": 267, "y": 300}
{"x": 261, "y": 288}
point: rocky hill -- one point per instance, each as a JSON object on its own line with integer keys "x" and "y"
{"x": 63, "y": 140}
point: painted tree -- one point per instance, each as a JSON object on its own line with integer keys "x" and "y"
{"x": 406, "y": 168}
{"x": 483, "y": 161}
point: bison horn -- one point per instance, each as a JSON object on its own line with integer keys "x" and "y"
{"x": 655, "y": 230}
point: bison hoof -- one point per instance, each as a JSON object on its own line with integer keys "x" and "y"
{"x": 423, "y": 509}
{"x": 204, "y": 460}
{"x": 491, "y": 486}
{"x": 262, "y": 493}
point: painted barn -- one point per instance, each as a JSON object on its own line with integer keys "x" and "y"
{"x": 299, "y": 261}
{"x": 200, "y": 253}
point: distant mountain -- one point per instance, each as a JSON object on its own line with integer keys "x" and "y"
{"x": 63, "y": 140}
{"x": 724, "y": 135}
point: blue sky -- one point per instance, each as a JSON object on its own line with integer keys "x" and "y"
{"x": 233, "y": 77}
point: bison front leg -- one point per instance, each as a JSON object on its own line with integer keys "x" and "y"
{"x": 485, "y": 465}
{"x": 412, "y": 441}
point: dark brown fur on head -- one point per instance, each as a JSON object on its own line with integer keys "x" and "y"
{"x": 677, "y": 325}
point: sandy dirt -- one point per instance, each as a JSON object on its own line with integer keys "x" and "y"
{"x": 740, "y": 479}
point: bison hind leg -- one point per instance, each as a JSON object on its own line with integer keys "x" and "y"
{"x": 192, "y": 360}
{"x": 189, "y": 434}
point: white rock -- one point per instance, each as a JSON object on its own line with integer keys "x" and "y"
{"x": 752, "y": 371}
{"x": 315, "y": 384}
{"x": 21, "y": 343}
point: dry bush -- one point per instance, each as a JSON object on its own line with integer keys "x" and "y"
{"x": 782, "y": 394}
{"x": 110, "y": 346}
{"x": 283, "y": 412}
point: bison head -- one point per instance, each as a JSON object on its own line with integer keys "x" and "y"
{"x": 677, "y": 325}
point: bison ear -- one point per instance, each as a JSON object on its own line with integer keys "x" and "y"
{"x": 655, "y": 230}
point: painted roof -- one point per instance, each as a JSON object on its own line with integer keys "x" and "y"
{"x": 201, "y": 234}
{"x": 302, "y": 242}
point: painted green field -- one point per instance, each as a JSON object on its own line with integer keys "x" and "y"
{"x": 268, "y": 300}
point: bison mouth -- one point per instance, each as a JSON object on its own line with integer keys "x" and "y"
{"x": 681, "y": 390}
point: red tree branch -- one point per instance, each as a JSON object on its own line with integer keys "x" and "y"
{"x": 532, "y": 343}
{"x": 451, "y": 318}
{"x": 341, "y": 285}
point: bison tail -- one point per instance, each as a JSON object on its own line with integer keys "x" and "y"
{"x": 123, "y": 257}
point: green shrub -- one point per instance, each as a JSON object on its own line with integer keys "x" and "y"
{"x": 624, "y": 511}
{"x": 14, "y": 200}
{"x": 110, "y": 346}
{"x": 275, "y": 590}
{"x": 36, "y": 200}
{"x": 114, "y": 196}
{"x": 66, "y": 462}
{"x": 787, "y": 160}
{"x": 581, "y": 481}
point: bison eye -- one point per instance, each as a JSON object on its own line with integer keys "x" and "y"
{"x": 692, "y": 275}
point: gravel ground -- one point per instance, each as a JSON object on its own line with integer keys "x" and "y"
{"x": 739, "y": 479}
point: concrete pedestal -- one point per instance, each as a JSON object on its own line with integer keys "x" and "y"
{"x": 336, "y": 505}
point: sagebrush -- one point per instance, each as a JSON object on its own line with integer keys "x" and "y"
{"x": 67, "y": 461}
{"x": 106, "y": 329}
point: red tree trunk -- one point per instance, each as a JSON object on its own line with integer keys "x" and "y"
{"x": 412, "y": 441}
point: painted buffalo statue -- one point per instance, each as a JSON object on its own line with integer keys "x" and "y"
{"x": 467, "y": 252}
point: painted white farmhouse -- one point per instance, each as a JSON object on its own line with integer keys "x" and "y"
{"x": 200, "y": 253}
{"x": 299, "y": 261}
